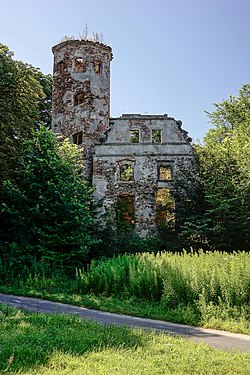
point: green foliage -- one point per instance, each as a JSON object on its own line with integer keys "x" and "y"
{"x": 134, "y": 136}
{"x": 173, "y": 278}
{"x": 44, "y": 100}
{"x": 225, "y": 168}
{"x": 156, "y": 136}
{"x": 191, "y": 205}
{"x": 47, "y": 211}
{"x": 25, "y": 103}
{"x": 166, "y": 219}
{"x": 126, "y": 172}
{"x": 208, "y": 289}
{"x": 214, "y": 195}
{"x": 120, "y": 238}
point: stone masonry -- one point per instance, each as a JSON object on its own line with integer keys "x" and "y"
{"x": 129, "y": 158}
{"x": 81, "y": 93}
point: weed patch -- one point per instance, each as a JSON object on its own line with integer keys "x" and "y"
{"x": 197, "y": 288}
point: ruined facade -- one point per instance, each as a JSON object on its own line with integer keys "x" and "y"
{"x": 131, "y": 160}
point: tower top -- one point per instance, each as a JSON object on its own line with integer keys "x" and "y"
{"x": 83, "y": 42}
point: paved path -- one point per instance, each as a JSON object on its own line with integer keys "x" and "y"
{"x": 217, "y": 339}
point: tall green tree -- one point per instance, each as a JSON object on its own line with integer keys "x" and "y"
{"x": 225, "y": 163}
{"x": 45, "y": 99}
{"x": 215, "y": 194}
{"x": 25, "y": 103}
{"x": 191, "y": 206}
{"x": 48, "y": 206}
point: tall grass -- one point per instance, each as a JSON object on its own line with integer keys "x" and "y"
{"x": 215, "y": 277}
{"x": 216, "y": 284}
{"x": 210, "y": 289}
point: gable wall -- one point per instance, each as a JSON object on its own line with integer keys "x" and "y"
{"x": 145, "y": 157}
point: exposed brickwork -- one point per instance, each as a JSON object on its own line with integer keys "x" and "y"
{"x": 81, "y": 92}
{"x": 81, "y": 101}
{"x": 146, "y": 158}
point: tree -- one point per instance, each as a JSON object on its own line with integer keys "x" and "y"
{"x": 25, "y": 103}
{"x": 218, "y": 203}
{"x": 48, "y": 206}
{"x": 191, "y": 205}
{"x": 44, "y": 100}
{"x": 224, "y": 160}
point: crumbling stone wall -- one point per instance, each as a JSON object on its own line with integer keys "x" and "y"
{"x": 81, "y": 93}
{"x": 130, "y": 157}
{"x": 147, "y": 157}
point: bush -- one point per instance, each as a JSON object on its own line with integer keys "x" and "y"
{"x": 48, "y": 207}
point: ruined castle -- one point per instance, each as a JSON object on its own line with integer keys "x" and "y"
{"x": 130, "y": 160}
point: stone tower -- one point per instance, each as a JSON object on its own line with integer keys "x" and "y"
{"x": 81, "y": 94}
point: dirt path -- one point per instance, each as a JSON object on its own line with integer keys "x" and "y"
{"x": 217, "y": 339}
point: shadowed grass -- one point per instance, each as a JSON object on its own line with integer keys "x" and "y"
{"x": 55, "y": 344}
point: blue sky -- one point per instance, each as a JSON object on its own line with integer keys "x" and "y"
{"x": 170, "y": 56}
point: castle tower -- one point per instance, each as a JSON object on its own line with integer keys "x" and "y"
{"x": 81, "y": 94}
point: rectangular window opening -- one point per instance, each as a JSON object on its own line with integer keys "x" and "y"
{"x": 80, "y": 65}
{"x": 98, "y": 67}
{"x": 156, "y": 136}
{"x": 164, "y": 173}
{"x": 78, "y": 98}
{"x": 125, "y": 210}
{"x": 77, "y": 138}
{"x": 165, "y": 209}
{"x": 134, "y": 136}
{"x": 61, "y": 67}
{"x": 126, "y": 172}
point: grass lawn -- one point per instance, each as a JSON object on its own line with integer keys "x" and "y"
{"x": 55, "y": 344}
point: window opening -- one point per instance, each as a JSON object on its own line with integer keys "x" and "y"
{"x": 80, "y": 65}
{"x": 77, "y": 138}
{"x": 98, "y": 67}
{"x": 125, "y": 211}
{"x": 134, "y": 136}
{"x": 165, "y": 209}
{"x": 164, "y": 173}
{"x": 156, "y": 136}
{"x": 78, "y": 99}
{"x": 126, "y": 172}
{"x": 61, "y": 67}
